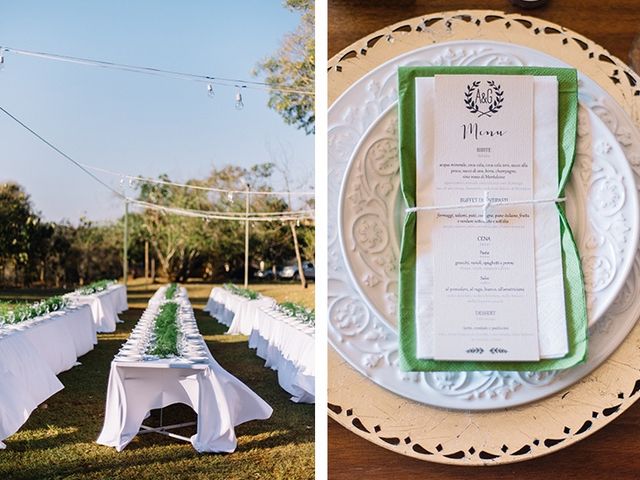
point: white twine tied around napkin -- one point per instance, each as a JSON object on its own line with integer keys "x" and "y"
{"x": 486, "y": 204}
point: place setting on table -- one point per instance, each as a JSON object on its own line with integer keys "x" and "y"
{"x": 165, "y": 360}
{"x": 483, "y": 237}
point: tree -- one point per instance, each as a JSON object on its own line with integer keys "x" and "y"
{"x": 214, "y": 248}
{"x": 308, "y": 242}
{"x": 176, "y": 240}
{"x": 20, "y": 232}
{"x": 61, "y": 261}
{"x": 97, "y": 250}
{"x": 293, "y": 66}
{"x": 268, "y": 241}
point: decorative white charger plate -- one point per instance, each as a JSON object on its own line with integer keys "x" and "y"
{"x": 370, "y": 211}
{"x": 417, "y": 429}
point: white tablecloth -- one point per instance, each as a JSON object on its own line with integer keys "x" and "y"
{"x": 60, "y": 337}
{"x": 105, "y": 306}
{"x": 222, "y": 305}
{"x": 220, "y": 400}
{"x": 119, "y": 293}
{"x": 243, "y": 319}
{"x": 287, "y": 346}
{"x": 32, "y": 353}
{"x": 26, "y": 380}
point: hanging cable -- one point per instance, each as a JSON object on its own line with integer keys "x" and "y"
{"x": 256, "y": 216}
{"x": 222, "y": 81}
{"x": 56, "y": 149}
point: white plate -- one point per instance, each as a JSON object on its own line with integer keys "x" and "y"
{"x": 128, "y": 358}
{"x": 198, "y": 359}
{"x": 363, "y": 337}
{"x": 602, "y": 209}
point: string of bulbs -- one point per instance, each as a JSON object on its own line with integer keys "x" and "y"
{"x": 206, "y": 215}
{"x": 211, "y": 81}
{"x": 133, "y": 180}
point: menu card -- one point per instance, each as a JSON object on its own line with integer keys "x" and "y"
{"x": 486, "y": 274}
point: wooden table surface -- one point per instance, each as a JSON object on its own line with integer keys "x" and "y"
{"x": 611, "y": 452}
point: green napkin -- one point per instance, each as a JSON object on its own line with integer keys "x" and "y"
{"x": 575, "y": 303}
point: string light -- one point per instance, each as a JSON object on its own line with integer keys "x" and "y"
{"x": 210, "y": 90}
{"x": 239, "y": 104}
{"x": 230, "y": 196}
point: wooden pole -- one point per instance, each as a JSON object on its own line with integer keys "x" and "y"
{"x": 146, "y": 260}
{"x": 246, "y": 239}
{"x": 125, "y": 259}
{"x": 303, "y": 280}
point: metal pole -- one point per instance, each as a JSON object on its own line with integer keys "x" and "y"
{"x": 246, "y": 239}
{"x": 125, "y": 261}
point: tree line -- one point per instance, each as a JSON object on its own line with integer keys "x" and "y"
{"x": 59, "y": 254}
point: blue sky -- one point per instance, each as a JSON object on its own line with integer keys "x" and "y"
{"x": 134, "y": 123}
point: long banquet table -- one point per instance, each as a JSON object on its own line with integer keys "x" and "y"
{"x": 32, "y": 353}
{"x": 222, "y": 304}
{"x": 286, "y": 344}
{"x": 243, "y": 322}
{"x": 220, "y": 400}
{"x": 105, "y": 306}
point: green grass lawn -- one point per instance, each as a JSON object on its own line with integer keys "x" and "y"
{"x": 58, "y": 440}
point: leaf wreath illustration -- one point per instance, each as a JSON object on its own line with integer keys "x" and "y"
{"x": 473, "y": 107}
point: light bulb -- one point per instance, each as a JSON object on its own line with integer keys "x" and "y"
{"x": 121, "y": 180}
{"x": 210, "y": 90}
{"x": 230, "y": 196}
{"x": 239, "y": 104}
{"x": 298, "y": 223}
{"x": 132, "y": 182}
{"x": 1, "y": 60}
